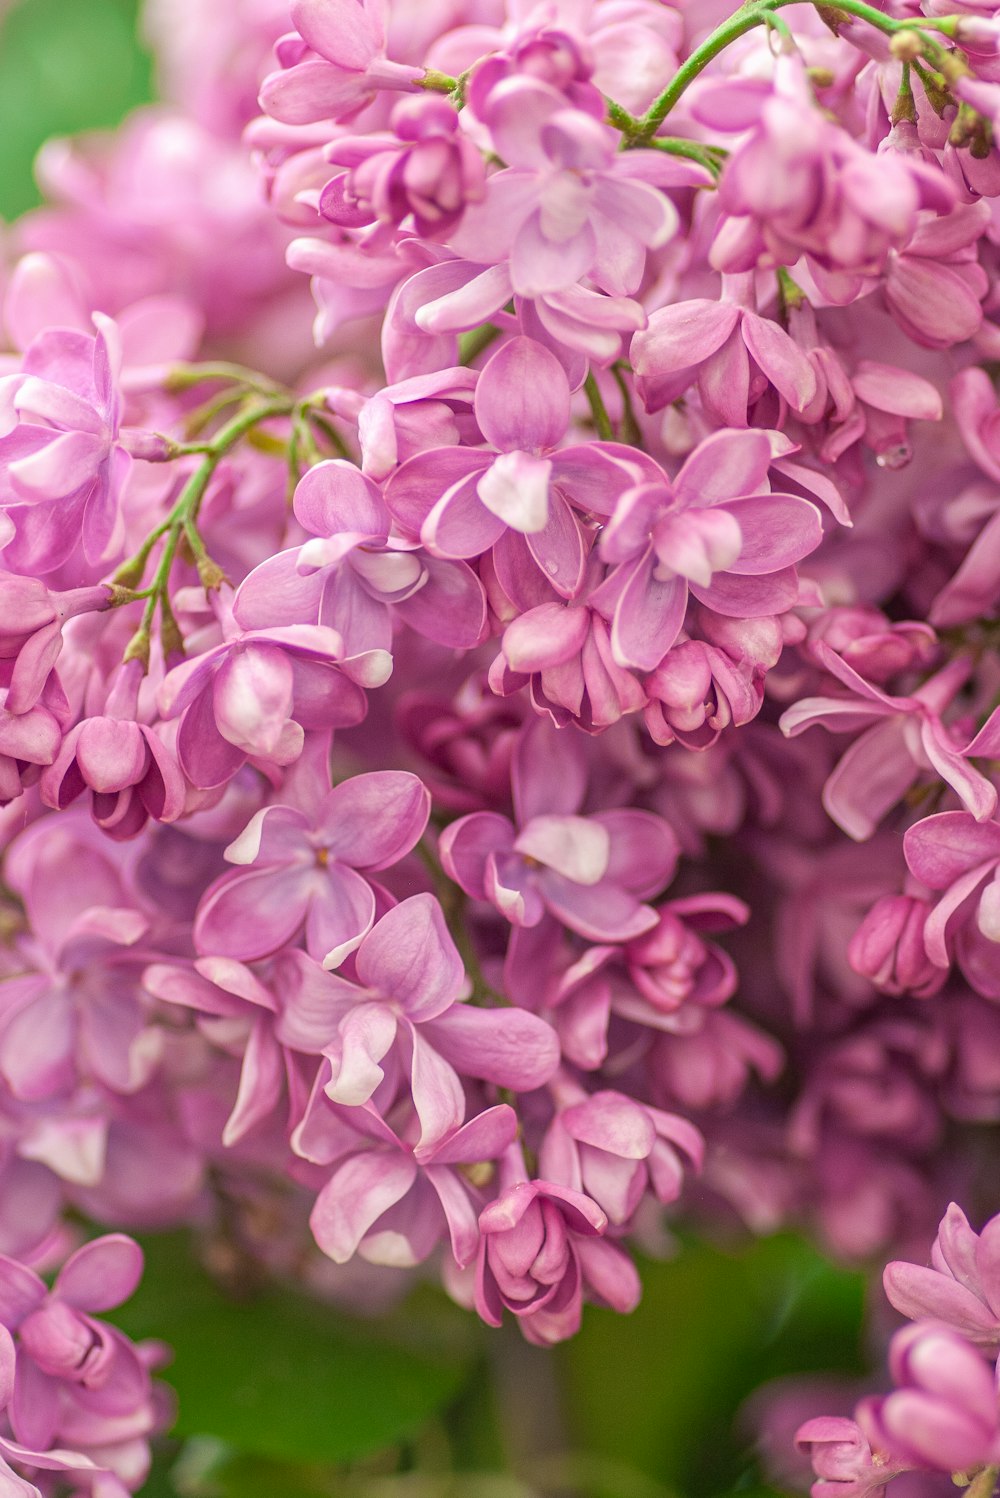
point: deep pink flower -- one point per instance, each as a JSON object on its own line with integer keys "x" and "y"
{"x": 542, "y": 1248}
{"x": 961, "y": 1287}
{"x": 907, "y": 739}
{"x": 943, "y": 1413}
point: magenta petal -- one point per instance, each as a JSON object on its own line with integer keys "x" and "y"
{"x": 522, "y": 399}
{"x": 450, "y": 608}
{"x": 463, "y": 1225}
{"x": 575, "y": 847}
{"x": 916, "y": 1292}
{"x": 871, "y": 777}
{"x": 345, "y": 31}
{"x": 749, "y": 597}
{"x": 648, "y": 616}
{"x": 334, "y": 496}
{"x": 509, "y": 1047}
{"x": 777, "y": 531}
{"x": 262, "y": 1079}
{"x": 356, "y": 1197}
{"x": 558, "y": 547}
{"x": 465, "y": 846}
{"x": 941, "y": 848}
{"x": 644, "y": 850}
{"x": 371, "y": 821}
{"x": 21, "y": 1291}
{"x": 364, "y": 1038}
{"x": 600, "y": 912}
{"x": 459, "y": 525}
{"x": 410, "y": 958}
{"x": 437, "y": 1092}
{"x": 340, "y": 914}
{"x": 781, "y": 359}
{"x": 725, "y": 465}
{"x": 545, "y": 636}
{"x": 484, "y": 1137}
{"x": 101, "y": 1274}
{"x": 251, "y": 914}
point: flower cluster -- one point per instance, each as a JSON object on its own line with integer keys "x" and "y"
{"x": 389, "y": 729}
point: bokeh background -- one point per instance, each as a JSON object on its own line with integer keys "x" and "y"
{"x": 279, "y": 1398}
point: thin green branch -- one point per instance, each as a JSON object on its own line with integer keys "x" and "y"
{"x": 599, "y": 411}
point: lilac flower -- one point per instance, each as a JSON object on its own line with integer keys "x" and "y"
{"x": 427, "y": 168}
{"x": 126, "y": 766}
{"x": 31, "y": 623}
{"x": 888, "y": 947}
{"x": 589, "y": 872}
{"x": 542, "y": 1248}
{"x": 907, "y": 738}
{"x": 959, "y": 857}
{"x": 528, "y": 485}
{"x": 844, "y": 1462}
{"x": 76, "y": 1379}
{"x": 335, "y": 65}
{"x": 567, "y": 205}
{"x": 307, "y": 870}
{"x": 355, "y": 578}
{"x": 63, "y": 466}
{"x": 29, "y": 740}
{"x": 717, "y": 532}
{"x": 943, "y": 1413}
{"x": 615, "y": 1150}
{"x": 392, "y": 1204}
{"x": 401, "y": 1017}
{"x": 961, "y": 1288}
{"x": 798, "y": 184}
{"x": 256, "y": 695}
{"x": 727, "y": 349}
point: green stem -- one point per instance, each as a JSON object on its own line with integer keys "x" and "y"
{"x": 640, "y": 129}
{"x": 629, "y": 430}
{"x": 599, "y": 411}
{"x": 472, "y": 344}
{"x": 187, "y": 376}
{"x": 182, "y": 522}
{"x": 983, "y": 1485}
{"x": 711, "y": 157}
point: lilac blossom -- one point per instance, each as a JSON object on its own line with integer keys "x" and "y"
{"x": 589, "y": 872}
{"x": 307, "y": 869}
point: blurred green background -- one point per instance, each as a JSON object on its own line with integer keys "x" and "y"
{"x": 279, "y": 1399}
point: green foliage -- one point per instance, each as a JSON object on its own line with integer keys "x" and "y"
{"x": 281, "y": 1376}
{"x": 662, "y": 1389}
{"x": 65, "y": 65}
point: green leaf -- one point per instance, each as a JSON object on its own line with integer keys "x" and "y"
{"x": 65, "y": 66}
{"x": 711, "y": 1327}
{"x": 283, "y": 1376}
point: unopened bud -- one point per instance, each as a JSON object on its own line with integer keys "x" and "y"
{"x": 906, "y": 46}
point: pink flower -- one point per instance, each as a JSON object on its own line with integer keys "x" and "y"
{"x": 960, "y": 858}
{"x": 961, "y": 1288}
{"x": 304, "y": 870}
{"x": 844, "y": 1463}
{"x": 542, "y": 1249}
{"x": 63, "y": 466}
{"x": 428, "y": 168}
{"x": 728, "y": 350}
{"x": 77, "y": 1381}
{"x": 567, "y": 205}
{"x": 335, "y": 65}
{"x": 589, "y": 872}
{"x": 908, "y": 738}
{"x": 943, "y": 1413}
{"x": 356, "y": 578}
